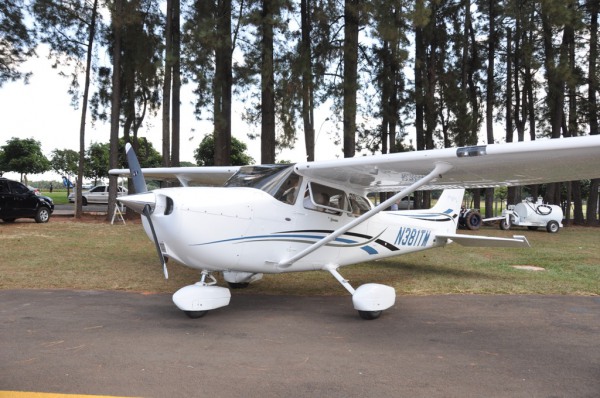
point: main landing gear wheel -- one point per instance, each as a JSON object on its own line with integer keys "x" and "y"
{"x": 369, "y": 315}
{"x": 238, "y": 285}
{"x": 195, "y": 314}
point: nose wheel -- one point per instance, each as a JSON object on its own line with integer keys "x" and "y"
{"x": 195, "y": 300}
{"x": 369, "y": 315}
{"x": 195, "y": 314}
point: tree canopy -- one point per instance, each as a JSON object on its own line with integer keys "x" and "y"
{"x": 16, "y": 40}
{"x": 23, "y": 156}
{"x": 205, "y": 153}
{"x": 442, "y": 72}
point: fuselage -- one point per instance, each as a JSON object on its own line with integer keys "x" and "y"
{"x": 248, "y": 230}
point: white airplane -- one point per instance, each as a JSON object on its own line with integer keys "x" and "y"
{"x": 316, "y": 216}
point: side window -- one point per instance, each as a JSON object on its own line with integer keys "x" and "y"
{"x": 360, "y": 205}
{"x": 323, "y": 198}
{"x": 17, "y": 187}
{"x": 3, "y": 187}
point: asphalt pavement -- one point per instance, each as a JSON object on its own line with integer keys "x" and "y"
{"x": 69, "y": 209}
{"x": 132, "y": 344}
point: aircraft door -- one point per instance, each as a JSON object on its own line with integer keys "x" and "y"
{"x": 322, "y": 210}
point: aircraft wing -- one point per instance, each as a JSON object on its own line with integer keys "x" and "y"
{"x": 205, "y": 176}
{"x": 522, "y": 163}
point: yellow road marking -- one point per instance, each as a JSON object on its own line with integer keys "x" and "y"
{"x": 23, "y": 394}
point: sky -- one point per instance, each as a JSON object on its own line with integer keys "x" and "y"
{"x": 42, "y": 110}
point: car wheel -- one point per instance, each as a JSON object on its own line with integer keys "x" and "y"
{"x": 84, "y": 201}
{"x": 505, "y": 226}
{"x": 42, "y": 215}
{"x": 473, "y": 221}
{"x": 552, "y": 227}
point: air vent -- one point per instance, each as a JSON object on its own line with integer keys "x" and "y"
{"x": 169, "y": 206}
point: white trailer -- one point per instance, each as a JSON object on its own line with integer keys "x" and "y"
{"x": 532, "y": 215}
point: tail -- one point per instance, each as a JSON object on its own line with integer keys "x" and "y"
{"x": 449, "y": 202}
{"x": 445, "y": 212}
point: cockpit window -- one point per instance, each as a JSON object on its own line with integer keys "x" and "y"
{"x": 279, "y": 181}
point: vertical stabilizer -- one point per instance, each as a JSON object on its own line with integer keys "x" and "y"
{"x": 450, "y": 202}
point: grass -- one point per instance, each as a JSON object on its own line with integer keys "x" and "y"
{"x": 97, "y": 255}
{"x": 59, "y": 197}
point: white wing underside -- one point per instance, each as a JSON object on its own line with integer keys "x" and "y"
{"x": 522, "y": 163}
{"x": 205, "y": 176}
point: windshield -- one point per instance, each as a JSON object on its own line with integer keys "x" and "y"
{"x": 273, "y": 179}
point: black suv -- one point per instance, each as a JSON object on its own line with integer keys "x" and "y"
{"x": 18, "y": 201}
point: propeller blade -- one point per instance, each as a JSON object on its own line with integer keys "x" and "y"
{"x": 147, "y": 212}
{"x": 135, "y": 170}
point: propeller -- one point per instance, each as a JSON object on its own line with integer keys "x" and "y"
{"x": 141, "y": 202}
{"x": 146, "y": 212}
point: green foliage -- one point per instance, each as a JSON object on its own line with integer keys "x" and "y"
{"x": 65, "y": 25}
{"x": 205, "y": 153}
{"x": 96, "y": 161}
{"x": 97, "y": 157}
{"x": 147, "y": 155}
{"x": 65, "y": 161}
{"x": 23, "y": 156}
{"x": 16, "y": 41}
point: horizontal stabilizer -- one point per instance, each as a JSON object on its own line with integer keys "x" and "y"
{"x": 484, "y": 241}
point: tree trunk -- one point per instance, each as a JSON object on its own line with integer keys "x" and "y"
{"x": 84, "y": 107}
{"x": 267, "y": 104}
{"x": 166, "y": 106}
{"x": 489, "y": 104}
{"x": 351, "y": 25}
{"x": 592, "y": 204}
{"x": 512, "y": 192}
{"x": 222, "y": 85}
{"x": 307, "y": 80}
{"x": 419, "y": 89}
{"x": 115, "y": 109}
{"x": 176, "y": 97}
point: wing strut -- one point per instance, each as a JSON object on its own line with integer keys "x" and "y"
{"x": 437, "y": 172}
